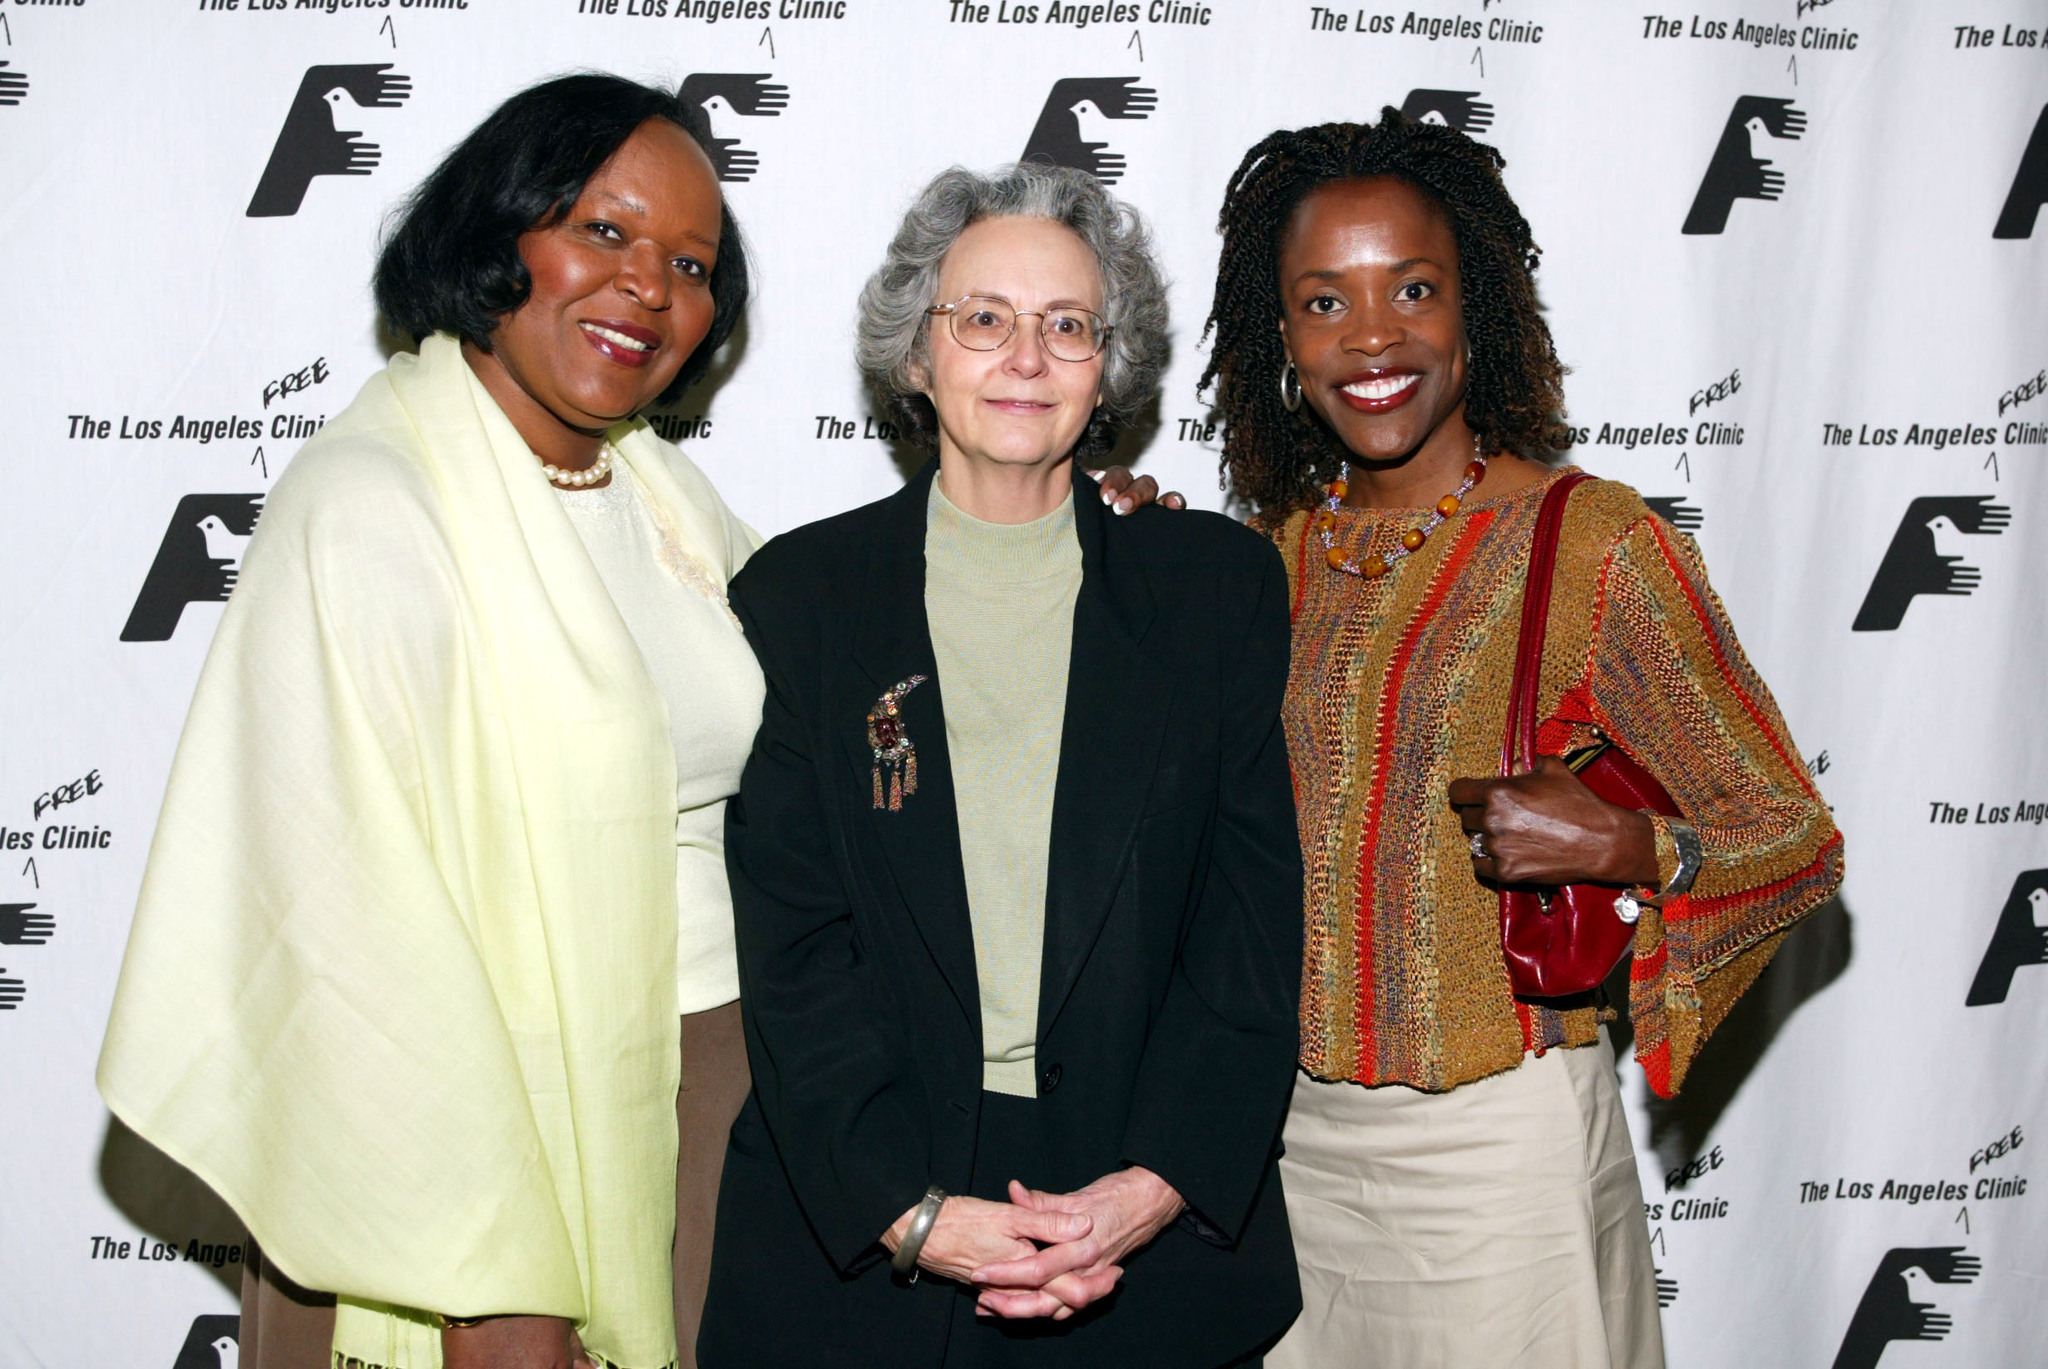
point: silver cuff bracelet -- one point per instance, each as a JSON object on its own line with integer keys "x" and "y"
{"x": 1629, "y": 906}
{"x": 904, "y": 1261}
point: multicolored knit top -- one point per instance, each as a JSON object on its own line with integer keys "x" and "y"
{"x": 1400, "y": 685}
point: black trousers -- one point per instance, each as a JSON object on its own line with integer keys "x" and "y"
{"x": 1011, "y": 1146}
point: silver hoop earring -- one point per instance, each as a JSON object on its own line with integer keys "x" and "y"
{"x": 1290, "y": 388}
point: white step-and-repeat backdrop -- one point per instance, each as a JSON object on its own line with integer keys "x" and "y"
{"x": 1794, "y": 255}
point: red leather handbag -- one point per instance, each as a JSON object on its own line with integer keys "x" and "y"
{"x": 1563, "y": 941}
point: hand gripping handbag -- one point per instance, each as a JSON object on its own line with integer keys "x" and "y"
{"x": 1563, "y": 941}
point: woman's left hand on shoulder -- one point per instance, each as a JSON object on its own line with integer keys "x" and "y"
{"x": 1544, "y": 826}
{"x": 1124, "y": 492}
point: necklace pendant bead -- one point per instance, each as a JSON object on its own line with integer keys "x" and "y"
{"x": 1377, "y": 564}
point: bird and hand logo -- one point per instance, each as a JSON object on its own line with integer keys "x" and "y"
{"x": 196, "y": 563}
{"x": 21, "y": 925}
{"x": 728, "y": 95}
{"x": 2029, "y": 186}
{"x": 1925, "y": 557}
{"x": 1737, "y": 172}
{"x": 1899, "y": 1303}
{"x": 312, "y": 142}
{"x": 2019, "y": 939}
{"x": 1078, "y": 107}
{"x": 213, "y": 1342}
{"x": 1459, "y": 109}
{"x": 1677, "y": 510}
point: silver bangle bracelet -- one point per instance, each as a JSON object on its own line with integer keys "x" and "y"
{"x": 904, "y": 1261}
{"x": 1690, "y": 857}
{"x": 1629, "y": 905}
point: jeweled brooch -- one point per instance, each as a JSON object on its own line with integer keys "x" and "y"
{"x": 892, "y": 746}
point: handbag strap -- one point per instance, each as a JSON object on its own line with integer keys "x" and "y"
{"x": 1520, "y": 742}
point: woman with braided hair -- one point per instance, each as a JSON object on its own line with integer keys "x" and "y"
{"x": 1458, "y": 1170}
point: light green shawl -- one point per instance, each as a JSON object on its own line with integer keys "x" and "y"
{"x": 401, "y": 984}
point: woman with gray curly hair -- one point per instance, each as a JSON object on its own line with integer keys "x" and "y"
{"x": 1018, "y": 974}
{"x": 894, "y": 345}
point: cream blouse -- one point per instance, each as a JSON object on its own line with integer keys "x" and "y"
{"x": 712, "y": 685}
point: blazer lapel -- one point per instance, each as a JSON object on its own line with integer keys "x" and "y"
{"x": 892, "y": 642}
{"x": 1118, "y": 698}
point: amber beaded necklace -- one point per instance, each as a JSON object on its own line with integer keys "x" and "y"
{"x": 1377, "y": 564}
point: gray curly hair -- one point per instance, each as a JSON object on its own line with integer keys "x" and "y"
{"x": 893, "y": 341}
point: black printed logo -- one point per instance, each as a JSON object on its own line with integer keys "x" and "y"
{"x": 2020, "y": 938}
{"x": 311, "y": 144}
{"x": 13, "y": 85}
{"x": 1677, "y": 510}
{"x": 214, "y": 1342}
{"x": 1737, "y": 172}
{"x": 1890, "y": 1309}
{"x": 1459, "y": 109}
{"x": 1074, "y": 110}
{"x": 2029, "y": 185}
{"x": 1667, "y": 1289}
{"x": 196, "y": 563}
{"x": 724, "y": 96}
{"x": 20, "y": 925}
{"x": 1918, "y": 563}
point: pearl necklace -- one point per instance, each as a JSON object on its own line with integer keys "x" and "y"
{"x": 1376, "y": 565}
{"x": 576, "y": 480}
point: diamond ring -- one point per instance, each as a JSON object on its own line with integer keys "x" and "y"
{"x": 1479, "y": 851}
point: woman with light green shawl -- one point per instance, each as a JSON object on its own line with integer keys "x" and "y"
{"x": 404, "y": 981}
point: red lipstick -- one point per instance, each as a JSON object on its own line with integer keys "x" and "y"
{"x": 620, "y": 348}
{"x": 1381, "y": 390}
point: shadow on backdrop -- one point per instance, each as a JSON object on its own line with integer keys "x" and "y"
{"x": 1813, "y": 956}
{"x": 168, "y": 1202}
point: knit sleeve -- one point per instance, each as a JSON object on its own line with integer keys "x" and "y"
{"x": 1667, "y": 680}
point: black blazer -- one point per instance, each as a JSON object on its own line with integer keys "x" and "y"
{"x": 1167, "y": 1027}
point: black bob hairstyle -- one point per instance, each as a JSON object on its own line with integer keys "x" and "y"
{"x": 451, "y": 261}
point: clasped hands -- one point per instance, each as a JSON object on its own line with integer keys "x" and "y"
{"x": 1045, "y": 1254}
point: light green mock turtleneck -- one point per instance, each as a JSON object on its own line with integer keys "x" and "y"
{"x": 1000, "y": 601}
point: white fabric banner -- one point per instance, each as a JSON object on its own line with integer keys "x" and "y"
{"x": 1793, "y": 254}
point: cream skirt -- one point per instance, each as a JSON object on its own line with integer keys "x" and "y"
{"x": 1499, "y": 1224}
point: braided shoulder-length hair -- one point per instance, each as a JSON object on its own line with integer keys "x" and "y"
{"x": 1514, "y": 387}
{"x": 893, "y": 339}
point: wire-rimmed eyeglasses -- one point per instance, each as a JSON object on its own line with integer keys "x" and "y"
{"x": 1069, "y": 332}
